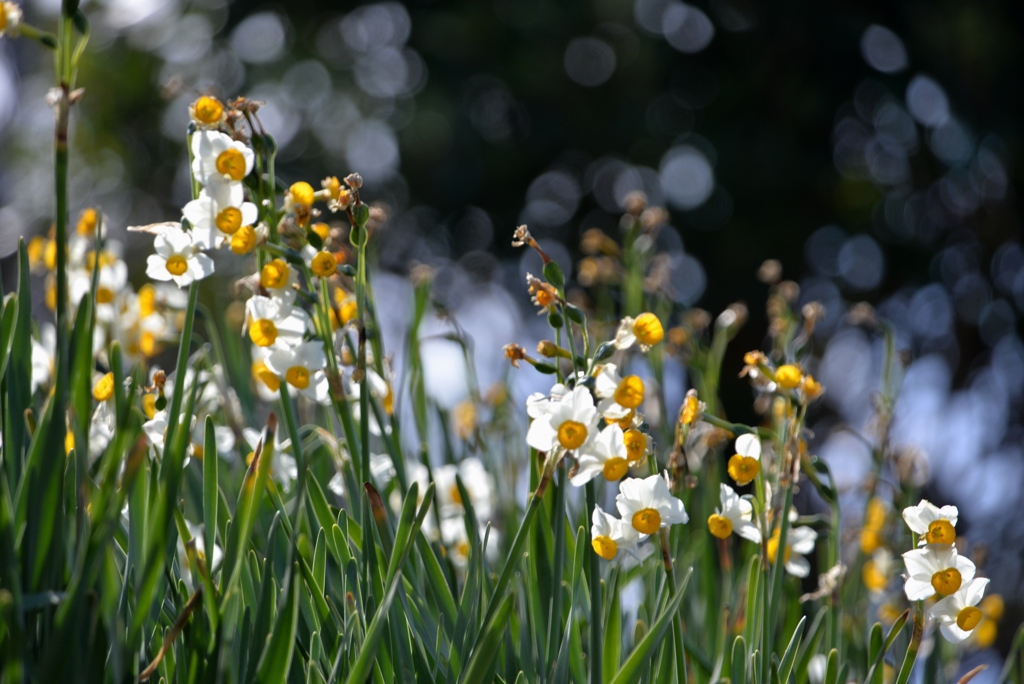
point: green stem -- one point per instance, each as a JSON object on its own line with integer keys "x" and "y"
{"x": 775, "y": 588}
{"x": 288, "y": 411}
{"x": 181, "y": 369}
{"x": 594, "y": 578}
{"x": 915, "y": 643}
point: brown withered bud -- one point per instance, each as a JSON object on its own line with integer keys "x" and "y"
{"x": 812, "y": 312}
{"x": 788, "y": 290}
{"x": 862, "y": 313}
{"x": 592, "y": 241}
{"x": 652, "y": 217}
{"x": 635, "y": 202}
{"x": 770, "y": 271}
{"x": 698, "y": 320}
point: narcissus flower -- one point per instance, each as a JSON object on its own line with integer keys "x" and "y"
{"x": 933, "y": 524}
{"x": 958, "y": 614}
{"x": 178, "y": 258}
{"x": 618, "y": 396}
{"x": 10, "y": 19}
{"x": 745, "y": 464}
{"x": 645, "y": 330}
{"x": 301, "y": 366}
{"x": 606, "y": 455}
{"x": 479, "y": 485}
{"x": 734, "y": 516}
{"x": 275, "y": 323}
{"x": 218, "y": 158}
{"x": 207, "y": 111}
{"x": 219, "y": 212}
{"x": 648, "y": 505}
{"x": 279, "y": 278}
{"x": 568, "y": 422}
{"x": 799, "y": 542}
{"x": 877, "y": 570}
{"x": 788, "y": 376}
{"x": 610, "y": 535}
{"x": 936, "y": 569}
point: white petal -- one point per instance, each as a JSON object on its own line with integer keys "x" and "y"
{"x": 918, "y": 589}
{"x": 156, "y": 267}
{"x": 542, "y": 436}
{"x": 200, "y": 266}
{"x": 748, "y": 445}
{"x": 589, "y": 468}
{"x": 798, "y": 566}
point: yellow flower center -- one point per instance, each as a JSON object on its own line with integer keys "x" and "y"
{"x": 263, "y": 332}
{"x": 176, "y": 264}
{"x": 743, "y": 469}
{"x": 297, "y": 376}
{"x": 788, "y": 376}
{"x": 615, "y": 468}
{"x": 688, "y": 413}
{"x": 626, "y": 422}
{"x": 630, "y": 392}
{"x": 648, "y": 330}
{"x": 572, "y": 434}
{"x": 51, "y": 295}
{"x": 947, "y": 581}
{"x": 231, "y": 163}
{"x": 324, "y": 264}
{"x": 302, "y": 193}
{"x": 940, "y": 532}
{"x": 321, "y": 229}
{"x": 149, "y": 405}
{"x": 148, "y": 344}
{"x": 244, "y": 240}
{"x": 720, "y": 526}
{"x": 208, "y": 110}
{"x": 968, "y": 618}
{"x": 389, "y": 401}
{"x": 69, "y": 442}
{"x": 349, "y": 310}
{"x": 647, "y": 521}
{"x": 605, "y": 547}
{"x": 36, "y": 249}
{"x": 104, "y": 388}
{"x": 197, "y": 451}
{"x": 50, "y": 255}
{"x": 147, "y": 300}
{"x": 229, "y": 220}
{"x": 873, "y": 578}
{"x": 773, "y": 549}
{"x": 86, "y": 223}
{"x": 104, "y": 295}
{"x": 261, "y": 373}
{"x": 812, "y": 388}
{"x": 636, "y": 444}
{"x": 869, "y": 540}
{"x": 455, "y": 494}
{"x": 274, "y": 274}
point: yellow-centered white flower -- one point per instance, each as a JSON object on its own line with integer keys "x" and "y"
{"x": 479, "y": 485}
{"x": 219, "y": 159}
{"x": 178, "y": 257}
{"x": 733, "y": 517}
{"x": 648, "y": 505}
{"x": 745, "y": 464}
{"x": 935, "y": 569}
{"x": 219, "y": 212}
{"x": 273, "y": 323}
{"x": 932, "y": 524}
{"x": 610, "y": 535}
{"x": 618, "y": 396}
{"x": 799, "y": 542}
{"x": 958, "y": 613}
{"x": 605, "y": 455}
{"x": 566, "y": 423}
{"x": 302, "y": 367}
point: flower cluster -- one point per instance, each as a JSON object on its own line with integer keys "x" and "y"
{"x": 936, "y": 569}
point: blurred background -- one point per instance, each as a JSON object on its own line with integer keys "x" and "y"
{"x": 874, "y": 148}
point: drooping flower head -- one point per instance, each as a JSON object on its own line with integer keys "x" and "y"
{"x": 745, "y": 464}
{"x": 799, "y": 542}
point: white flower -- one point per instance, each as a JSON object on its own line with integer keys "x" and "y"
{"x": 302, "y": 367}
{"x": 645, "y": 331}
{"x": 817, "y": 669}
{"x": 609, "y": 535}
{"x": 219, "y": 159}
{"x": 274, "y": 323}
{"x": 568, "y": 422}
{"x": 957, "y": 614}
{"x": 453, "y": 536}
{"x": 734, "y": 516}
{"x": 196, "y": 531}
{"x": 648, "y": 505}
{"x": 618, "y": 396}
{"x": 799, "y": 542}
{"x": 749, "y": 445}
{"x": 605, "y": 455}
{"x": 745, "y": 463}
{"x": 933, "y": 524}
{"x": 219, "y": 212}
{"x": 156, "y": 429}
{"x": 43, "y": 352}
{"x": 477, "y": 481}
{"x": 10, "y": 19}
{"x": 937, "y": 568}
{"x": 178, "y": 258}
{"x": 536, "y": 403}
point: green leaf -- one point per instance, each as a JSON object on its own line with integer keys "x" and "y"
{"x": 611, "y": 653}
{"x": 487, "y": 649}
{"x": 739, "y": 661}
{"x": 644, "y": 651}
{"x": 879, "y": 648}
{"x": 789, "y": 656}
{"x": 277, "y": 656}
{"x": 8, "y": 326}
{"x": 210, "y": 498}
{"x": 832, "y": 667}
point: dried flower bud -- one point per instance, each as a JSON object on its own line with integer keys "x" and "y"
{"x": 635, "y": 202}
{"x": 788, "y": 290}
{"x": 770, "y": 271}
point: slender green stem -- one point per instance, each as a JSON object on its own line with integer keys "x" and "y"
{"x": 594, "y": 579}
{"x": 288, "y": 412}
{"x": 181, "y": 368}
